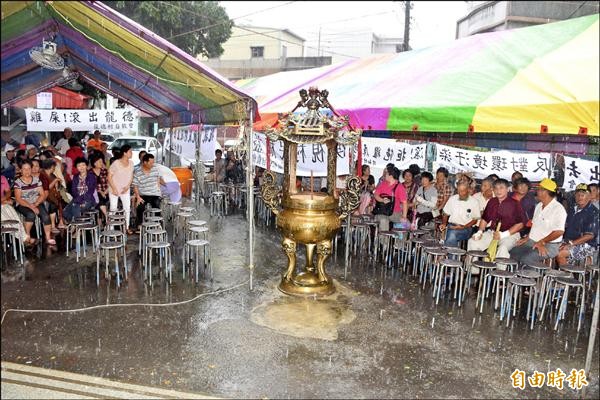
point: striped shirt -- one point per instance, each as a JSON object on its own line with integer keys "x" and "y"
{"x": 147, "y": 184}
{"x": 29, "y": 192}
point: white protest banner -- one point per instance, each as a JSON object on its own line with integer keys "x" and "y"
{"x": 311, "y": 157}
{"x": 208, "y": 142}
{"x": 44, "y": 100}
{"x": 377, "y": 153}
{"x": 123, "y": 119}
{"x": 184, "y": 142}
{"x": 534, "y": 166}
{"x": 578, "y": 170}
{"x": 259, "y": 151}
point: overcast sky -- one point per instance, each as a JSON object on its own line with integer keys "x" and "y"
{"x": 433, "y": 22}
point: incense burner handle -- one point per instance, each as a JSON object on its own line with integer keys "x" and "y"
{"x": 270, "y": 193}
{"x": 349, "y": 199}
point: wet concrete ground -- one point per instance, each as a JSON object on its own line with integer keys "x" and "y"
{"x": 398, "y": 345}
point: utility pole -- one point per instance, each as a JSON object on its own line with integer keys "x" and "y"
{"x": 407, "y": 6}
{"x": 319, "y": 45}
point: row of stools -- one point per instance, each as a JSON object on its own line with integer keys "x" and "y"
{"x": 154, "y": 247}
{"x": 452, "y": 269}
{"x": 448, "y": 267}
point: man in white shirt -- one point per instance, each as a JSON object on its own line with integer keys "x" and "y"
{"x": 461, "y": 213}
{"x": 63, "y": 144}
{"x": 548, "y": 226}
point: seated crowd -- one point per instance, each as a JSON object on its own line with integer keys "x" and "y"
{"x": 53, "y": 185}
{"x": 530, "y": 226}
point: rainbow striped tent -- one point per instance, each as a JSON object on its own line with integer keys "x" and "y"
{"x": 115, "y": 55}
{"x": 515, "y": 81}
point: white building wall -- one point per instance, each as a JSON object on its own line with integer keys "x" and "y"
{"x": 238, "y": 47}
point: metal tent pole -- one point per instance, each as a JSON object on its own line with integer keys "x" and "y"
{"x": 250, "y": 194}
{"x": 594, "y": 327}
{"x": 171, "y": 145}
{"x": 197, "y": 173}
{"x": 348, "y": 219}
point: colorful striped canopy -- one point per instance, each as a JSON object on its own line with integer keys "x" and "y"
{"x": 115, "y": 55}
{"x": 509, "y": 82}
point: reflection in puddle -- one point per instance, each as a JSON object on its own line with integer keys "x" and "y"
{"x": 306, "y": 317}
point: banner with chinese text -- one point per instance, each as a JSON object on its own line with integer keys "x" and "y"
{"x": 578, "y": 170}
{"x": 534, "y": 166}
{"x": 311, "y": 157}
{"x": 377, "y": 153}
{"x": 184, "y": 142}
{"x": 39, "y": 120}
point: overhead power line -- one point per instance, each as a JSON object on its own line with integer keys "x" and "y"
{"x": 288, "y": 41}
{"x": 255, "y": 32}
{"x": 577, "y": 9}
{"x": 224, "y": 21}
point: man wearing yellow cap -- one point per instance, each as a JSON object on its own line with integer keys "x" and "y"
{"x": 547, "y": 228}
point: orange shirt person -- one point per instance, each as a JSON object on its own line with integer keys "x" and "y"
{"x": 95, "y": 142}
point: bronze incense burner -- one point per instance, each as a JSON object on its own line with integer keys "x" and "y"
{"x": 310, "y": 218}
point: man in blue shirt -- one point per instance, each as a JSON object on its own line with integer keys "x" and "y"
{"x": 581, "y": 232}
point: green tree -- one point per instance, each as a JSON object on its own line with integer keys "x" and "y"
{"x": 196, "y": 27}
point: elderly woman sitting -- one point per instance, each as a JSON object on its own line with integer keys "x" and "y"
{"x": 83, "y": 189}
{"x": 30, "y": 196}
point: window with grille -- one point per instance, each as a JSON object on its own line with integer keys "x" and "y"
{"x": 257, "y": 52}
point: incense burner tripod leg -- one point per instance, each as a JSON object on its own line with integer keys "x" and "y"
{"x": 289, "y": 247}
{"x": 323, "y": 253}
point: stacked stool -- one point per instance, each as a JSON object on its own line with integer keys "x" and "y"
{"x": 9, "y": 236}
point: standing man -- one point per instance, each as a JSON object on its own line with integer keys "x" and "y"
{"x": 62, "y": 146}
{"x": 220, "y": 166}
{"x": 502, "y": 209}
{"x": 547, "y": 228}
{"x": 581, "y": 232}
{"x": 95, "y": 143}
{"x": 461, "y": 213}
{"x": 146, "y": 186}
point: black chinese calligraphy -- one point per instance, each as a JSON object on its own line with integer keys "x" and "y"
{"x": 74, "y": 117}
{"x": 445, "y": 155}
{"x": 573, "y": 170}
{"x": 318, "y": 154}
{"x": 110, "y": 117}
{"x": 498, "y": 163}
{"x": 35, "y": 116}
{"x": 542, "y": 164}
{"x": 479, "y": 162}
{"x": 595, "y": 174}
{"x": 389, "y": 154}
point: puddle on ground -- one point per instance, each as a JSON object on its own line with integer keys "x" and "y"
{"x": 306, "y": 317}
